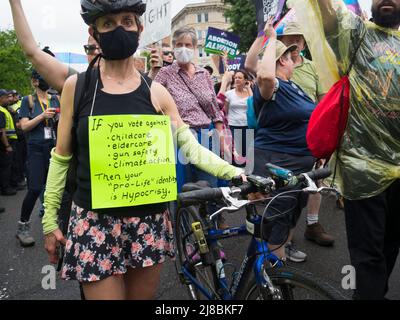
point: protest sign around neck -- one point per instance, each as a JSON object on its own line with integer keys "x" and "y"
{"x": 132, "y": 160}
{"x": 220, "y": 41}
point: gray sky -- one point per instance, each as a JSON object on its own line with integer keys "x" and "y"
{"x": 57, "y": 23}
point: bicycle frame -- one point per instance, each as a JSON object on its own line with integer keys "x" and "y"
{"x": 257, "y": 256}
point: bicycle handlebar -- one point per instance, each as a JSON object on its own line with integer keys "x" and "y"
{"x": 318, "y": 174}
{"x": 255, "y": 184}
{"x": 194, "y": 197}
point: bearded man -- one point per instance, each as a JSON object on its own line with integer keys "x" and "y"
{"x": 369, "y": 157}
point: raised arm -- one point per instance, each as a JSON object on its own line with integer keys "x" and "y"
{"x": 329, "y": 17}
{"x": 267, "y": 71}
{"x": 251, "y": 63}
{"x": 52, "y": 70}
{"x": 226, "y": 82}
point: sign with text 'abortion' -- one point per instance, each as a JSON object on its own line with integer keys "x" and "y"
{"x": 157, "y": 21}
{"x": 132, "y": 160}
{"x": 220, "y": 41}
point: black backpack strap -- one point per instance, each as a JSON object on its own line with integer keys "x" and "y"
{"x": 352, "y": 61}
{"x": 353, "y": 58}
{"x": 78, "y": 96}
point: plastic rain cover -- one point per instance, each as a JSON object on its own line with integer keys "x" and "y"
{"x": 369, "y": 157}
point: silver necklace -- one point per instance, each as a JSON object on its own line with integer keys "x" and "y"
{"x": 120, "y": 82}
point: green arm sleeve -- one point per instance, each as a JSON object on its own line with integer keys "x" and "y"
{"x": 203, "y": 158}
{"x": 55, "y": 185}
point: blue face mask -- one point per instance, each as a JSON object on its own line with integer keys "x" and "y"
{"x": 118, "y": 44}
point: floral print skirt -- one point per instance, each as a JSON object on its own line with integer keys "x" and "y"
{"x": 99, "y": 245}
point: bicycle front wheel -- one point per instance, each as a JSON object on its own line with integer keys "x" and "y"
{"x": 292, "y": 284}
{"x": 187, "y": 256}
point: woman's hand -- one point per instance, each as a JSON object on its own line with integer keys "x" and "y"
{"x": 49, "y": 113}
{"x": 228, "y": 77}
{"x": 155, "y": 59}
{"x": 269, "y": 29}
{"x": 52, "y": 242}
{"x": 247, "y": 87}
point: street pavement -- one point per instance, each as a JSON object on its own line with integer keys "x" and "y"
{"x": 21, "y": 268}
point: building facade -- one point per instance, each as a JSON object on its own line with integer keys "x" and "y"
{"x": 200, "y": 16}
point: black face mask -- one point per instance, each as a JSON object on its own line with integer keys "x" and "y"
{"x": 118, "y": 44}
{"x": 43, "y": 85}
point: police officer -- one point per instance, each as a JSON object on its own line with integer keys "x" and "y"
{"x": 8, "y": 137}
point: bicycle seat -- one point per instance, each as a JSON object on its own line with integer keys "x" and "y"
{"x": 195, "y": 186}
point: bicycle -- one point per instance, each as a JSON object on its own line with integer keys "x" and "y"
{"x": 263, "y": 276}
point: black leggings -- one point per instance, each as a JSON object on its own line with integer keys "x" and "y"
{"x": 38, "y": 166}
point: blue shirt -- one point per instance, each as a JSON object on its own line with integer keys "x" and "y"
{"x": 284, "y": 119}
{"x": 37, "y": 134}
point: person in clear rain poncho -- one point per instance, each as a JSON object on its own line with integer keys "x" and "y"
{"x": 369, "y": 156}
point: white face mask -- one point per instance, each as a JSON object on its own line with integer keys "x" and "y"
{"x": 183, "y": 55}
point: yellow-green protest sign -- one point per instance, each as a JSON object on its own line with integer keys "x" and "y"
{"x": 132, "y": 160}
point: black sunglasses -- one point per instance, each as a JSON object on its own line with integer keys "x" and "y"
{"x": 166, "y": 53}
{"x": 90, "y": 48}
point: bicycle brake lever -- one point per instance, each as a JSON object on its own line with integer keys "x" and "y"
{"x": 312, "y": 187}
{"x": 234, "y": 203}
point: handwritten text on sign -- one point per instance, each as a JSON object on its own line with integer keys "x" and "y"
{"x": 132, "y": 160}
{"x": 157, "y": 21}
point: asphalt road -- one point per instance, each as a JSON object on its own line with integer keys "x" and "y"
{"x": 21, "y": 268}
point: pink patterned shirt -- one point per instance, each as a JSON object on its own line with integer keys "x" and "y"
{"x": 187, "y": 100}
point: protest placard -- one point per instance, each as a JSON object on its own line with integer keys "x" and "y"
{"x": 354, "y": 6}
{"x": 280, "y": 26}
{"x": 266, "y": 9}
{"x": 132, "y": 160}
{"x": 220, "y": 41}
{"x": 234, "y": 64}
{"x": 157, "y": 22}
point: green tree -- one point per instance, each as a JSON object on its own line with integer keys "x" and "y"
{"x": 242, "y": 15}
{"x": 15, "y": 69}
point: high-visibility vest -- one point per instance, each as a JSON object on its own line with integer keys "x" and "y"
{"x": 10, "y": 129}
{"x": 16, "y": 106}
